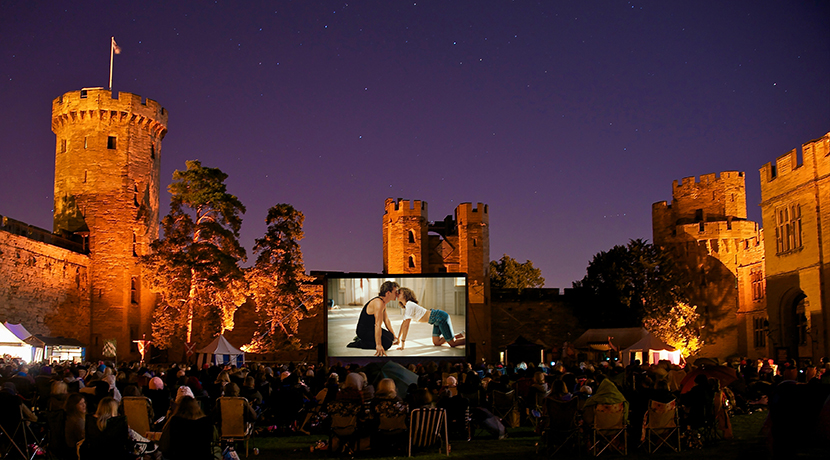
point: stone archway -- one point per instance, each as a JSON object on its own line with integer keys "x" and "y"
{"x": 793, "y": 321}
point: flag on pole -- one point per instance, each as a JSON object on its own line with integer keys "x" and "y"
{"x": 114, "y": 49}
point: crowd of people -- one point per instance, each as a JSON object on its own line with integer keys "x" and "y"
{"x": 81, "y": 404}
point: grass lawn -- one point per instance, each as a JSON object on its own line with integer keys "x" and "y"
{"x": 748, "y": 443}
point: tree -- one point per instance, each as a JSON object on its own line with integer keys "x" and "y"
{"x": 278, "y": 282}
{"x": 509, "y": 274}
{"x": 195, "y": 266}
{"x": 678, "y": 328}
{"x": 638, "y": 285}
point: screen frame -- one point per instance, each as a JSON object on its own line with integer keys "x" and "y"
{"x": 331, "y": 359}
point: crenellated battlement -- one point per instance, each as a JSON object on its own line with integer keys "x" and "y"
{"x": 467, "y": 214}
{"x": 405, "y": 208}
{"x": 733, "y": 229}
{"x": 815, "y": 162}
{"x": 691, "y": 184}
{"x": 100, "y": 104}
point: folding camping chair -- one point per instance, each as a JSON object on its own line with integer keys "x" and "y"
{"x": 427, "y": 427}
{"x": 234, "y": 427}
{"x": 662, "y": 428}
{"x": 609, "y": 425}
{"x": 135, "y": 408}
{"x": 391, "y": 433}
{"x": 506, "y": 408}
{"x": 560, "y": 425}
{"x": 16, "y": 430}
{"x": 344, "y": 426}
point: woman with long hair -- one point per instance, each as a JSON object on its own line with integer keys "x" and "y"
{"x": 440, "y": 320}
{"x": 74, "y": 428}
{"x": 109, "y": 437}
{"x": 189, "y": 434}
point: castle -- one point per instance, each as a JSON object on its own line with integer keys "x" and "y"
{"x": 83, "y": 280}
{"x": 757, "y": 299}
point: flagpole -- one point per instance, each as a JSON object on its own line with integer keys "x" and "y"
{"x": 112, "y": 51}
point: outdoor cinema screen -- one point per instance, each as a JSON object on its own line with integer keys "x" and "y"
{"x": 438, "y": 321}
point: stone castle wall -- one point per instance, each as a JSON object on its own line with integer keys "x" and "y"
{"x": 706, "y": 228}
{"x": 45, "y": 287}
{"x": 752, "y": 303}
{"x": 536, "y": 314}
{"x": 798, "y": 277}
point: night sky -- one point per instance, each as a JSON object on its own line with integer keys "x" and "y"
{"x": 569, "y": 119}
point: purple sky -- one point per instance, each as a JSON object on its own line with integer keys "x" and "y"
{"x": 569, "y": 119}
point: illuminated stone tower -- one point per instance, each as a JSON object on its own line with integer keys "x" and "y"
{"x": 107, "y": 159}
{"x": 405, "y": 237}
{"x": 457, "y": 244}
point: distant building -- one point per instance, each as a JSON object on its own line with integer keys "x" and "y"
{"x": 795, "y": 206}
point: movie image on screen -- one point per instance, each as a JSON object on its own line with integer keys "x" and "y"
{"x": 431, "y": 312}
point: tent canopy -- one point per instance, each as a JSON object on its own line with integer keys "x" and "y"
{"x": 220, "y": 351}
{"x": 18, "y": 330}
{"x": 625, "y": 340}
{"x": 8, "y": 338}
{"x": 12, "y": 345}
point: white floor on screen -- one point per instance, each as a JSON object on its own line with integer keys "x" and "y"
{"x": 342, "y": 323}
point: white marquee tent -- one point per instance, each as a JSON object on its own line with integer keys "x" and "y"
{"x": 12, "y": 344}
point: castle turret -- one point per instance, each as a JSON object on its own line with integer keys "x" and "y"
{"x": 107, "y": 165}
{"x": 474, "y": 241}
{"x": 405, "y": 228}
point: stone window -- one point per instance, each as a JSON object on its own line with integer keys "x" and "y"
{"x": 86, "y": 173}
{"x": 760, "y": 326}
{"x": 135, "y": 194}
{"x": 86, "y": 141}
{"x": 153, "y": 150}
{"x": 83, "y": 94}
{"x": 63, "y": 146}
{"x": 135, "y": 246}
{"x": 111, "y": 142}
{"x": 756, "y": 276}
{"x": 788, "y": 228}
{"x": 411, "y": 261}
{"x": 411, "y": 236}
{"x": 134, "y": 290}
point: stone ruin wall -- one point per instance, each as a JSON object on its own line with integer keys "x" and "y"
{"x": 44, "y": 287}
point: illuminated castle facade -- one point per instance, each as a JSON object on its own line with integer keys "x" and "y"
{"x": 706, "y": 228}
{"x": 758, "y": 297}
{"x": 83, "y": 280}
{"x": 795, "y": 207}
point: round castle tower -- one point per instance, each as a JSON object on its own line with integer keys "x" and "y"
{"x": 107, "y": 164}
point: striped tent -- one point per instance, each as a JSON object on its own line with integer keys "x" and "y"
{"x": 220, "y": 352}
